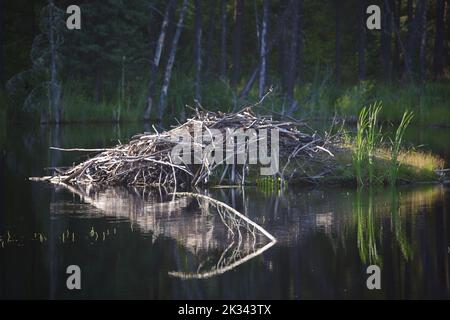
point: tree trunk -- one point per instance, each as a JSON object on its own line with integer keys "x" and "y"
{"x": 210, "y": 39}
{"x": 409, "y": 53}
{"x": 362, "y": 39}
{"x": 386, "y": 40}
{"x": 156, "y": 60}
{"x": 223, "y": 40}
{"x": 395, "y": 7}
{"x": 337, "y": 56}
{"x": 198, "y": 48}
{"x": 300, "y": 43}
{"x": 54, "y": 85}
{"x": 438, "y": 58}
{"x": 171, "y": 61}
{"x": 237, "y": 43}
{"x": 407, "y": 75}
{"x": 423, "y": 38}
{"x": 248, "y": 86}
{"x": 262, "y": 54}
{"x": 293, "y": 51}
{"x": 279, "y": 29}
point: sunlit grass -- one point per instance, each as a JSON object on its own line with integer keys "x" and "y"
{"x": 366, "y": 140}
{"x": 397, "y": 143}
{"x": 413, "y": 165}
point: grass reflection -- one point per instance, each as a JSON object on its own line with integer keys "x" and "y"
{"x": 397, "y": 226}
{"x": 370, "y": 210}
{"x": 366, "y": 228}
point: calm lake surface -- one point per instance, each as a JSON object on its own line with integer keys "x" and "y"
{"x": 128, "y": 245}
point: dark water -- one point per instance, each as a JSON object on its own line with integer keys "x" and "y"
{"x": 128, "y": 245}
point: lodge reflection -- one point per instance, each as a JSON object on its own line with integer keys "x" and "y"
{"x": 370, "y": 214}
{"x": 199, "y": 225}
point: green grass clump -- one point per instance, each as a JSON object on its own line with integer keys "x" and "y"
{"x": 269, "y": 184}
{"x": 412, "y": 165}
{"x": 366, "y": 140}
{"x": 375, "y": 163}
{"x": 396, "y": 144}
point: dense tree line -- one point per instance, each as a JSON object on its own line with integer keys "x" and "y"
{"x": 249, "y": 45}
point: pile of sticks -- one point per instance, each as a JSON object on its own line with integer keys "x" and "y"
{"x": 146, "y": 159}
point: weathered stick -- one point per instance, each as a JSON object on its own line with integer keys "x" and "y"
{"x": 82, "y": 149}
{"x": 234, "y": 211}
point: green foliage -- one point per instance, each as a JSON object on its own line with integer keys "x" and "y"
{"x": 351, "y": 99}
{"x": 79, "y": 105}
{"x": 269, "y": 184}
{"x": 396, "y": 144}
{"x": 429, "y": 102}
{"x": 41, "y": 90}
{"x": 118, "y": 35}
{"x": 366, "y": 140}
{"x": 113, "y": 33}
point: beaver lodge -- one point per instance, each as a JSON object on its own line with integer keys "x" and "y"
{"x": 148, "y": 158}
{"x": 215, "y": 148}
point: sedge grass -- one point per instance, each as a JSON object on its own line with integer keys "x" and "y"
{"x": 366, "y": 140}
{"x": 396, "y": 145}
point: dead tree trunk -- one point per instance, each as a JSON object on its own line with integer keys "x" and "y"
{"x": 171, "y": 61}
{"x": 279, "y": 27}
{"x": 262, "y": 55}
{"x": 156, "y": 60}
{"x": 198, "y": 48}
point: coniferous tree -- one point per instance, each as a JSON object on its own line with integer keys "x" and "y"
{"x": 122, "y": 38}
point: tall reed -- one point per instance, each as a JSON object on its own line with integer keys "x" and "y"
{"x": 367, "y": 136}
{"x": 396, "y": 145}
